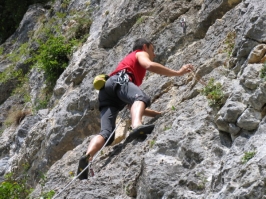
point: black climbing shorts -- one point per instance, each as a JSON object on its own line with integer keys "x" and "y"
{"x": 116, "y": 95}
{"x": 112, "y": 99}
{"x": 108, "y": 118}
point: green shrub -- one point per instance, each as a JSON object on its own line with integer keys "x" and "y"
{"x": 53, "y": 56}
{"x": 81, "y": 28}
{"x": 228, "y": 44}
{"x": 16, "y": 56}
{"x": 43, "y": 98}
{"x": 247, "y": 156}
{"x": 263, "y": 72}
{"x": 213, "y": 92}
{"x": 61, "y": 15}
{"x": 14, "y": 76}
{"x": 10, "y": 74}
{"x": 42, "y": 104}
{"x": 140, "y": 20}
{"x": 48, "y": 195}
{"x": 14, "y": 189}
{"x": 65, "y": 4}
{"x": 45, "y": 194}
{"x": 23, "y": 88}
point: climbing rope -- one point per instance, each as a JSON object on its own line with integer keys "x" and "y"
{"x": 89, "y": 165}
{"x": 198, "y": 78}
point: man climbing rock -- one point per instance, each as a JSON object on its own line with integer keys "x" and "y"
{"x": 122, "y": 88}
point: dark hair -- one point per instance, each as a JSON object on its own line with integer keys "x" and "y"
{"x": 138, "y": 44}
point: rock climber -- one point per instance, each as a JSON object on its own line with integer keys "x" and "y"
{"x": 122, "y": 88}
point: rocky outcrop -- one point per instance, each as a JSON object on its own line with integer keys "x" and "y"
{"x": 195, "y": 150}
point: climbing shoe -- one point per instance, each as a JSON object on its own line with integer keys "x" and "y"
{"x": 83, "y": 163}
{"x": 141, "y": 130}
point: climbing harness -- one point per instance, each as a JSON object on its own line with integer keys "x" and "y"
{"x": 90, "y": 163}
{"x": 123, "y": 77}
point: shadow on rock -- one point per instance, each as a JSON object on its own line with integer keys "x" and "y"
{"x": 118, "y": 148}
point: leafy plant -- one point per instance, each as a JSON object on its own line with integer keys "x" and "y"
{"x": 228, "y": 43}
{"x": 20, "y": 52}
{"x": 263, "y": 72}
{"x": 23, "y": 88}
{"x": 54, "y": 51}
{"x": 213, "y": 92}
{"x": 46, "y": 194}
{"x": 65, "y": 4}
{"x": 247, "y": 156}
{"x": 43, "y": 98}
{"x": 42, "y": 104}
{"x": 10, "y": 74}
{"x": 53, "y": 56}
{"x": 80, "y": 30}
{"x": 61, "y": 15}
{"x": 202, "y": 181}
{"x": 26, "y": 166}
{"x": 17, "y": 77}
{"x": 14, "y": 189}
{"x": 129, "y": 188}
{"x": 140, "y": 20}
{"x": 152, "y": 142}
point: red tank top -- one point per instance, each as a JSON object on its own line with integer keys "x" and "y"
{"x": 131, "y": 64}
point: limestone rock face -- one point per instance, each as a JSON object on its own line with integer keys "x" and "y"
{"x": 196, "y": 151}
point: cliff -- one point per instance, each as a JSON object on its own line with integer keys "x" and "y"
{"x": 210, "y": 141}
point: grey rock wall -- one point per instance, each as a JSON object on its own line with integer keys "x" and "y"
{"x": 195, "y": 151}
